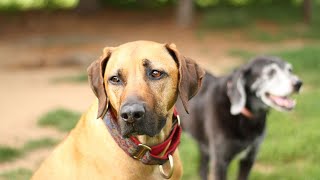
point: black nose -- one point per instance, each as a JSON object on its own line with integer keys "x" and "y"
{"x": 297, "y": 85}
{"x": 131, "y": 113}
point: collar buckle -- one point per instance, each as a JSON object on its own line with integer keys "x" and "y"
{"x": 143, "y": 149}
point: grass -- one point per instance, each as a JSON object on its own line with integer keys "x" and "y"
{"x": 265, "y": 23}
{"x": 291, "y": 148}
{"x": 62, "y": 119}
{"x": 16, "y": 174}
{"x": 39, "y": 144}
{"x": 189, "y": 156}
{"x": 79, "y": 78}
{"x": 8, "y": 154}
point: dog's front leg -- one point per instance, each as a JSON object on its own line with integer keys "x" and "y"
{"x": 246, "y": 163}
{"x": 204, "y": 163}
{"x": 220, "y": 168}
{"x": 220, "y": 161}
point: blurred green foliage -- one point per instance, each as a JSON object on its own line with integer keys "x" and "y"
{"x": 22, "y": 5}
{"x": 16, "y": 5}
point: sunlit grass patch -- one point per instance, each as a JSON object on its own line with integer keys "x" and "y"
{"x": 16, "y": 174}
{"x": 62, "y": 119}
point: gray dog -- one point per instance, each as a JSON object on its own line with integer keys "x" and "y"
{"x": 229, "y": 113}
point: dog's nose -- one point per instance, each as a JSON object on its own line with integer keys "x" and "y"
{"x": 297, "y": 85}
{"x": 131, "y": 113}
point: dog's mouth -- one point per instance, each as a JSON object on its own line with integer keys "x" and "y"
{"x": 283, "y": 102}
{"x": 130, "y": 130}
{"x": 149, "y": 128}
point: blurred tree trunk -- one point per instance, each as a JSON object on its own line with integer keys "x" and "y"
{"x": 88, "y": 5}
{"x": 307, "y": 11}
{"x": 184, "y": 12}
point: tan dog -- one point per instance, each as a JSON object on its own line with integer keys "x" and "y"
{"x": 138, "y": 83}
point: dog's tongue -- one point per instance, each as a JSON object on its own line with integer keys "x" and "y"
{"x": 283, "y": 101}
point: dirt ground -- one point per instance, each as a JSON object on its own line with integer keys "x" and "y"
{"x": 38, "y": 47}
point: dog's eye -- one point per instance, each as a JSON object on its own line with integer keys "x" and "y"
{"x": 271, "y": 72}
{"x": 156, "y": 74}
{"x": 115, "y": 80}
{"x": 290, "y": 70}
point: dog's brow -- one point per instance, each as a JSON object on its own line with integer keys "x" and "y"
{"x": 146, "y": 63}
{"x": 120, "y": 73}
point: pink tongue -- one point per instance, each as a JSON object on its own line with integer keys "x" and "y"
{"x": 285, "y": 102}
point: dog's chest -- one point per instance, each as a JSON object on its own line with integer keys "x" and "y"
{"x": 248, "y": 130}
{"x": 244, "y": 147}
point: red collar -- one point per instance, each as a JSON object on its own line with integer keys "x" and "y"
{"x": 147, "y": 155}
{"x": 247, "y": 113}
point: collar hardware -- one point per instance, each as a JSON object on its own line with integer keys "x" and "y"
{"x": 142, "y": 150}
{"x": 169, "y": 175}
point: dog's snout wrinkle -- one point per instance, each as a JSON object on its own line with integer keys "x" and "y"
{"x": 131, "y": 113}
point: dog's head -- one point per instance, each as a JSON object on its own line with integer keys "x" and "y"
{"x": 265, "y": 82}
{"x": 140, "y": 81}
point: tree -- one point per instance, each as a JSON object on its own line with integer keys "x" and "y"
{"x": 307, "y": 11}
{"x": 88, "y": 5}
{"x": 185, "y": 12}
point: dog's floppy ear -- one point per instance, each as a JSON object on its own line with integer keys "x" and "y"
{"x": 95, "y": 76}
{"x": 190, "y": 75}
{"x": 236, "y": 91}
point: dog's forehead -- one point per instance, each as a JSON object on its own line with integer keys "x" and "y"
{"x": 266, "y": 62}
{"x": 135, "y": 53}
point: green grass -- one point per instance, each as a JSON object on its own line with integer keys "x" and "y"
{"x": 79, "y": 78}
{"x": 17, "y": 174}
{"x": 189, "y": 156}
{"x": 8, "y": 154}
{"x": 265, "y": 23}
{"x": 61, "y": 119}
{"x": 32, "y": 145}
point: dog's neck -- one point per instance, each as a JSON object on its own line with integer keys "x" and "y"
{"x": 160, "y": 137}
{"x": 255, "y": 105}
